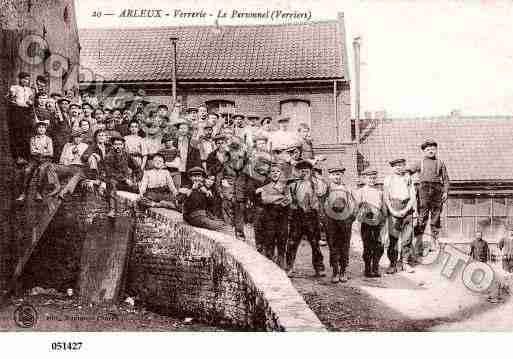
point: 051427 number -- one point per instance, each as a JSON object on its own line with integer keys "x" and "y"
{"x": 66, "y": 345}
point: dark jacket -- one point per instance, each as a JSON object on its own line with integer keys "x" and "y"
{"x": 193, "y": 155}
{"x": 118, "y": 165}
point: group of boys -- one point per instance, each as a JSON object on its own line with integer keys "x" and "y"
{"x": 221, "y": 169}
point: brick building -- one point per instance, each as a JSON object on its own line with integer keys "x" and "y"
{"x": 52, "y": 27}
{"x": 298, "y": 70}
{"x": 478, "y": 153}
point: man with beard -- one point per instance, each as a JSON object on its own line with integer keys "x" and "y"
{"x": 189, "y": 155}
{"x": 118, "y": 176}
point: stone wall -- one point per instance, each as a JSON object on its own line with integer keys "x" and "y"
{"x": 188, "y": 271}
{"x": 176, "y": 269}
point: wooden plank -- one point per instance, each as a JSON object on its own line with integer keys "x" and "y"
{"x": 104, "y": 257}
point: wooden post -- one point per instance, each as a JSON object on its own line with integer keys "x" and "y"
{"x": 173, "y": 73}
{"x": 356, "y": 47}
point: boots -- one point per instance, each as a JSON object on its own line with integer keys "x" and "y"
{"x": 335, "y": 278}
{"x": 375, "y": 268}
{"x": 392, "y": 269}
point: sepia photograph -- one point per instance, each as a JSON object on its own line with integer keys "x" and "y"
{"x": 255, "y": 166}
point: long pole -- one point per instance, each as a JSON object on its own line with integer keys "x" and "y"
{"x": 356, "y": 47}
{"x": 173, "y": 73}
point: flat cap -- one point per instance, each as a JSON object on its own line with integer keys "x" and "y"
{"x": 336, "y": 169}
{"x": 219, "y": 137}
{"x": 23, "y": 75}
{"x": 428, "y": 143}
{"x": 284, "y": 119}
{"x": 77, "y": 133}
{"x": 116, "y": 137}
{"x": 266, "y": 119}
{"x": 369, "y": 172}
{"x": 196, "y": 171}
{"x": 302, "y": 164}
{"x": 397, "y": 161}
{"x": 237, "y": 115}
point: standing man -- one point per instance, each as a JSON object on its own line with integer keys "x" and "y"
{"x": 506, "y": 247}
{"x": 21, "y": 118}
{"x": 60, "y": 131}
{"x": 433, "y": 189}
{"x": 305, "y": 193}
{"x": 399, "y": 195}
{"x": 340, "y": 207}
{"x": 238, "y": 125}
{"x": 372, "y": 214}
{"x": 273, "y": 223}
{"x": 206, "y": 145}
{"x": 479, "y": 250}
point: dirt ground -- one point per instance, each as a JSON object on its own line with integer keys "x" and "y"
{"x": 58, "y": 313}
{"x": 423, "y": 301}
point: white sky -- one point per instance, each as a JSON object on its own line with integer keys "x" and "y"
{"x": 419, "y": 58}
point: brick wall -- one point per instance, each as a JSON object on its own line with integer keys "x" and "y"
{"x": 212, "y": 276}
{"x": 176, "y": 269}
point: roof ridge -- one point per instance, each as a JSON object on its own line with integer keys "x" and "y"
{"x": 207, "y": 26}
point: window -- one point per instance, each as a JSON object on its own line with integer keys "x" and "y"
{"x": 221, "y": 106}
{"x": 464, "y": 215}
{"x": 298, "y": 111}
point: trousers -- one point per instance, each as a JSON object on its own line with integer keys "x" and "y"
{"x": 400, "y": 228}
{"x": 339, "y": 242}
{"x": 274, "y": 228}
{"x": 429, "y": 204}
{"x": 372, "y": 246}
{"x": 307, "y": 224}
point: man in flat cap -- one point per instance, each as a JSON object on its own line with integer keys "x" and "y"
{"x": 372, "y": 212}
{"x": 306, "y": 193}
{"x": 120, "y": 171}
{"x": 433, "y": 189}
{"x": 340, "y": 208}
{"x": 238, "y": 125}
{"x": 196, "y": 198}
{"x": 206, "y": 144}
{"x": 400, "y": 198}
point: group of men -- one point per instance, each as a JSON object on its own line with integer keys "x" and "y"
{"x": 223, "y": 169}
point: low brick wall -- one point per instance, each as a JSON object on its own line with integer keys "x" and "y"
{"x": 188, "y": 271}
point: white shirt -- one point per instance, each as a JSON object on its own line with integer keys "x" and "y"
{"x": 157, "y": 178}
{"x": 183, "y": 148}
{"x": 370, "y": 195}
{"x": 135, "y": 144}
{"x": 70, "y": 158}
{"x": 153, "y": 144}
{"x": 398, "y": 187}
{"x": 21, "y": 94}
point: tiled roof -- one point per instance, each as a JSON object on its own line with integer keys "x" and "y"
{"x": 253, "y": 52}
{"x": 473, "y": 148}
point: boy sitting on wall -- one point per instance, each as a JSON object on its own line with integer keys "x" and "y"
{"x": 157, "y": 187}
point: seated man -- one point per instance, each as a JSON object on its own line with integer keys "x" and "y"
{"x": 157, "y": 187}
{"x": 71, "y": 163}
{"x": 119, "y": 169}
{"x": 195, "y": 201}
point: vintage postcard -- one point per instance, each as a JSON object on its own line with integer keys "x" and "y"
{"x": 288, "y": 166}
